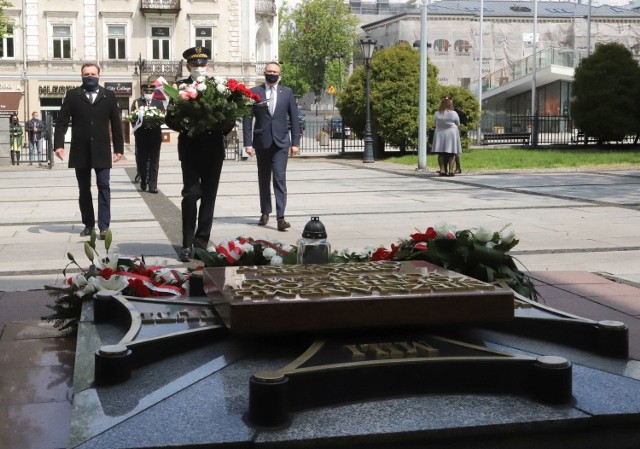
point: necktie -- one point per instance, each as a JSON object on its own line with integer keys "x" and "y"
{"x": 272, "y": 100}
{"x": 91, "y": 95}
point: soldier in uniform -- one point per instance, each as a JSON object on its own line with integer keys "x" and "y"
{"x": 148, "y": 141}
{"x": 201, "y": 157}
{"x": 15, "y": 139}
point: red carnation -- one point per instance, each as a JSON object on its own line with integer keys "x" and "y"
{"x": 232, "y": 84}
{"x": 381, "y": 254}
{"x": 430, "y": 233}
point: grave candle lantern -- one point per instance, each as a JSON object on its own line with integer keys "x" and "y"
{"x": 313, "y": 247}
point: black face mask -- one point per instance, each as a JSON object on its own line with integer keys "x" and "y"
{"x": 90, "y": 83}
{"x": 271, "y": 78}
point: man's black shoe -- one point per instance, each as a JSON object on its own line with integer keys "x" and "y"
{"x": 283, "y": 224}
{"x": 103, "y": 234}
{"x": 458, "y": 171}
{"x": 86, "y": 231}
{"x": 185, "y": 254}
{"x": 143, "y": 187}
{"x": 153, "y": 190}
{"x": 264, "y": 219}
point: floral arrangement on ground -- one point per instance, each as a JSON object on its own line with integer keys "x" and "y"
{"x": 208, "y": 104}
{"x": 119, "y": 274}
{"x": 480, "y": 253}
{"x": 147, "y": 116}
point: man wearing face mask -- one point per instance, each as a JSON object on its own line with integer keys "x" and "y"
{"x": 271, "y": 142}
{"x": 93, "y": 112}
{"x": 148, "y": 141}
{"x": 201, "y": 156}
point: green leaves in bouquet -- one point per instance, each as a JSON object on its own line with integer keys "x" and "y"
{"x": 67, "y": 306}
{"x": 482, "y": 257}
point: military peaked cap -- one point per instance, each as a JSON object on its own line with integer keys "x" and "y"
{"x": 148, "y": 87}
{"x": 197, "y": 55}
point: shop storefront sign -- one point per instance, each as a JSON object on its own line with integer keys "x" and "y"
{"x": 120, "y": 88}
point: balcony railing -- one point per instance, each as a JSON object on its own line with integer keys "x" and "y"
{"x": 155, "y": 6}
{"x": 164, "y": 68}
{"x": 266, "y": 7}
{"x": 552, "y": 56}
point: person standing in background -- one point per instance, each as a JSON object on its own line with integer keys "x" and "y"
{"x": 271, "y": 142}
{"x": 15, "y": 139}
{"x": 148, "y": 141}
{"x": 464, "y": 119}
{"x": 446, "y": 138}
{"x": 93, "y": 111}
{"x": 35, "y": 127}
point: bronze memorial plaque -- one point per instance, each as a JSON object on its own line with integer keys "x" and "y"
{"x": 309, "y": 298}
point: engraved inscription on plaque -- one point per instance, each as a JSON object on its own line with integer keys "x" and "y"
{"x": 350, "y": 296}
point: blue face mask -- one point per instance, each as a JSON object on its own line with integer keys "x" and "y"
{"x": 90, "y": 82}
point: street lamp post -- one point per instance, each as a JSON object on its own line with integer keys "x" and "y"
{"x": 480, "y": 56}
{"x": 368, "y": 46}
{"x": 422, "y": 97}
{"x": 140, "y": 64}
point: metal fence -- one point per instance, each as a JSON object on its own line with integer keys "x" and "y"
{"x": 541, "y": 130}
{"x": 317, "y": 140}
{"x": 525, "y": 130}
{"x": 38, "y": 153}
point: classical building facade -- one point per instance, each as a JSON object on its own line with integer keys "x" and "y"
{"x": 566, "y": 32}
{"x": 132, "y": 41}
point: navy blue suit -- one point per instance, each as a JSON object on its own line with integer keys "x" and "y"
{"x": 270, "y": 138}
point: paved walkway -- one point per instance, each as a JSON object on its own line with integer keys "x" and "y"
{"x": 571, "y": 225}
{"x": 586, "y": 221}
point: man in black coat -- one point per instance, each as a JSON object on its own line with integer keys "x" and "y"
{"x": 92, "y": 111}
{"x": 201, "y": 156}
{"x": 148, "y": 140}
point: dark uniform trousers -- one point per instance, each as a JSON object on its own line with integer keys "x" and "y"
{"x": 148, "y": 142}
{"x": 201, "y": 158}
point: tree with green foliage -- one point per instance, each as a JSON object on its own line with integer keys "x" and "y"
{"x": 606, "y": 89}
{"x": 395, "y": 86}
{"x": 6, "y": 25}
{"x": 312, "y": 35}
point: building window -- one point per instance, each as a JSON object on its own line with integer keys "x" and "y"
{"x": 204, "y": 37}
{"x": 116, "y": 41}
{"x": 7, "y": 44}
{"x": 160, "y": 43}
{"x": 61, "y": 41}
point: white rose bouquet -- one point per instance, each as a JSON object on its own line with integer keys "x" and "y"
{"x": 147, "y": 116}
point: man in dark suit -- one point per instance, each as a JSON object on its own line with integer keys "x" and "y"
{"x": 201, "y": 156}
{"x": 92, "y": 111}
{"x": 148, "y": 140}
{"x": 271, "y": 142}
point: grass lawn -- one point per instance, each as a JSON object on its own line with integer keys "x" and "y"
{"x": 503, "y": 159}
